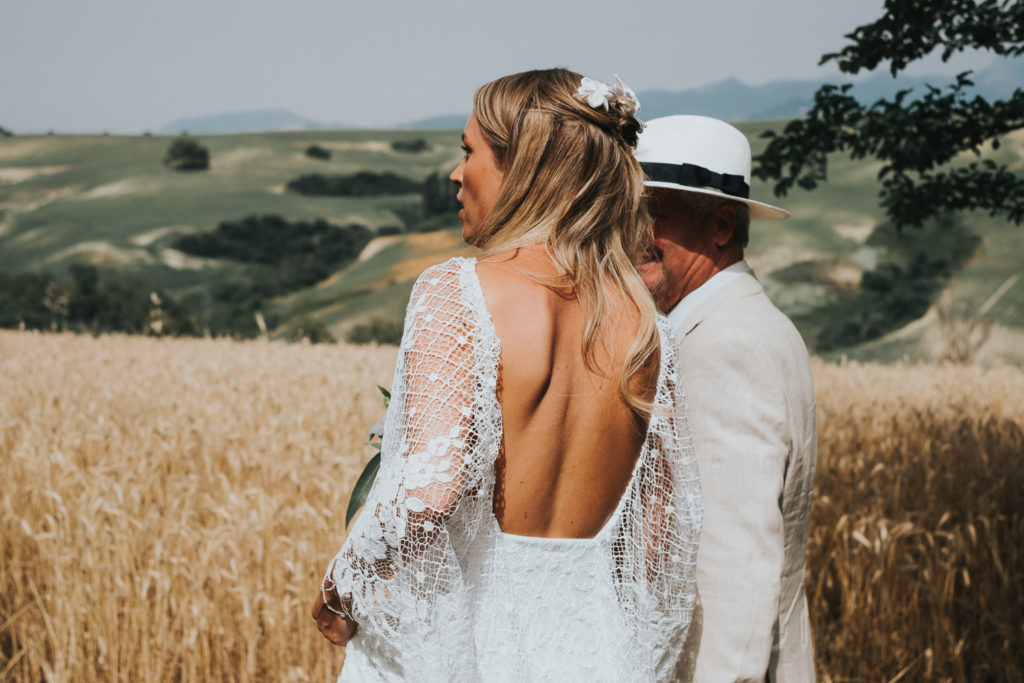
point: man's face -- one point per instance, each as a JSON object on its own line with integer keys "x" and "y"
{"x": 683, "y": 254}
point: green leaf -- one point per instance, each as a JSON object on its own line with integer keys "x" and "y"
{"x": 387, "y": 395}
{"x": 362, "y": 488}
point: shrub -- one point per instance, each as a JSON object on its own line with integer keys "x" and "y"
{"x": 437, "y": 208}
{"x": 185, "y": 154}
{"x": 361, "y": 184}
{"x": 230, "y": 308}
{"x": 439, "y": 196}
{"x": 376, "y": 330}
{"x": 412, "y": 146}
{"x": 432, "y": 223}
{"x": 307, "y": 328}
{"x": 898, "y": 290}
{"x": 4, "y": 133}
{"x": 410, "y": 213}
{"x": 282, "y": 257}
{"x": 272, "y": 240}
{"x": 89, "y": 301}
{"x": 318, "y": 152}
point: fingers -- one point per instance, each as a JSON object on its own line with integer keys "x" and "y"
{"x": 318, "y": 605}
{"x": 336, "y": 628}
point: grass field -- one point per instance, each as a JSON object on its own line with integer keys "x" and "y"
{"x": 109, "y": 201}
{"x": 169, "y": 505}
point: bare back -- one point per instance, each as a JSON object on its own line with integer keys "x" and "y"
{"x": 570, "y": 440}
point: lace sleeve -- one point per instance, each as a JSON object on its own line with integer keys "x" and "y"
{"x": 656, "y": 545}
{"x": 398, "y": 565}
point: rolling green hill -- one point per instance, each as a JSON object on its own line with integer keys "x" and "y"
{"x": 109, "y": 201}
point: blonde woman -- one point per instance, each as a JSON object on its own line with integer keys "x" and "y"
{"x": 537, "y": 510}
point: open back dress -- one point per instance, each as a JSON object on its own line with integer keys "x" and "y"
{"x": 442, "y": 594}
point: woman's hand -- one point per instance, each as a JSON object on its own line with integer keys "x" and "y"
{"x": 335, "y": 627}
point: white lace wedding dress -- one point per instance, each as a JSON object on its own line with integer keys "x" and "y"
{"x": 442, "y": 594}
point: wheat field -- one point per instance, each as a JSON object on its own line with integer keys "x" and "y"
{"x": 168, "y": 506}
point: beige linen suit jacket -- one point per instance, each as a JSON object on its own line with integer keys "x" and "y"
{"x": 750, "y": 403}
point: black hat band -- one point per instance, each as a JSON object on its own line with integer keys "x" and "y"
{"x": 692, "y": 175}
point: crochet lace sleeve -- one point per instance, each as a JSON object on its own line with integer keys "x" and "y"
{"x": 397, "y": 569}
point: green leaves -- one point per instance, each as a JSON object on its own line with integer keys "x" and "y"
{"x": 362, "y": 488}
{"x": 911, "y": 29}
{"x": 918, "y": 137}
{"x": 369, "y": 474}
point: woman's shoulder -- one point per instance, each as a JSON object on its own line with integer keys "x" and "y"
{"x": 448, "y": 294}
{"x": 518, "y": 283}
{"x": 442, "y": 279}
{"x": 446, "y": 271}
{"x": 524, "y": 268}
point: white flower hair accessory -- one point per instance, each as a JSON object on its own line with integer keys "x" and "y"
{"x": 594, "y": 93}
{"x": 604, "y": 95}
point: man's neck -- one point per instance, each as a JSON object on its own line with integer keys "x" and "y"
{"x": 725, "y": 259}
{"x": 697, "y": 297}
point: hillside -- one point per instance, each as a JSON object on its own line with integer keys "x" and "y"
{"x": 109, "y": 201}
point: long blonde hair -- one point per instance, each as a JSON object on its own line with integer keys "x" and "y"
{"x": 571, "y": 183}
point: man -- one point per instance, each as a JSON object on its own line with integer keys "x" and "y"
{"x": 750, "y": 404}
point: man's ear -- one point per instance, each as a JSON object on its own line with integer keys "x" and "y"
{"x": 724, "y": 225}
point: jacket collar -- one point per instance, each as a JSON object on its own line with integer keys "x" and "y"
{"x": 741, "y": 286}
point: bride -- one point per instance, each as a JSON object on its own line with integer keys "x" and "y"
{"x": 537, "y": 509}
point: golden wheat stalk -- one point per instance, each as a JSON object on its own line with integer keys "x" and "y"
{"x": 168, "y": 507}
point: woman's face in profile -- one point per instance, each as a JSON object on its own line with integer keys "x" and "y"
{"x": 478, "y": 177}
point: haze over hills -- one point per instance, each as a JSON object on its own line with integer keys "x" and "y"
{"x": 730, "y": 99}
{"x": 262, "y": 120}
{"x": 735, "y": 101}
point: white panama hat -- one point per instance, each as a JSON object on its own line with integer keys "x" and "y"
{"x": 700, "y": 154}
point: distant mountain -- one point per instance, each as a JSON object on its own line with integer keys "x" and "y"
{"x": 1004, "y": 75}
{"x": 445, "y": 122}
{"x": 731, "y": 99}
{"x": 260, "y": 121}
{"x": 736, "y": 101}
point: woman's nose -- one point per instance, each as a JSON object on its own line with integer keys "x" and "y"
{"x": 456, "y": 175}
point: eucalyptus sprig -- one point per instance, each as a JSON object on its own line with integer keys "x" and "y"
{"x": 369, "y": 475}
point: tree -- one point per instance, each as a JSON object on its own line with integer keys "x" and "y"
{"x": 359, "y": 184}
{"x": 376, "y": 330}
{"x": 318, "y": 152}
{"x": 439, "y": 194}
{"x": 916, "y": 139}
{"x": 411, "y": 146}
{"x": 185, "y": 154}
{"x": 309, "y": 328}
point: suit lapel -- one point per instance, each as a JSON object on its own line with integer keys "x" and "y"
{"x": 743, "y": 285}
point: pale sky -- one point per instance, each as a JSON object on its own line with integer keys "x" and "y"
{"x": 131, "y": 65}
